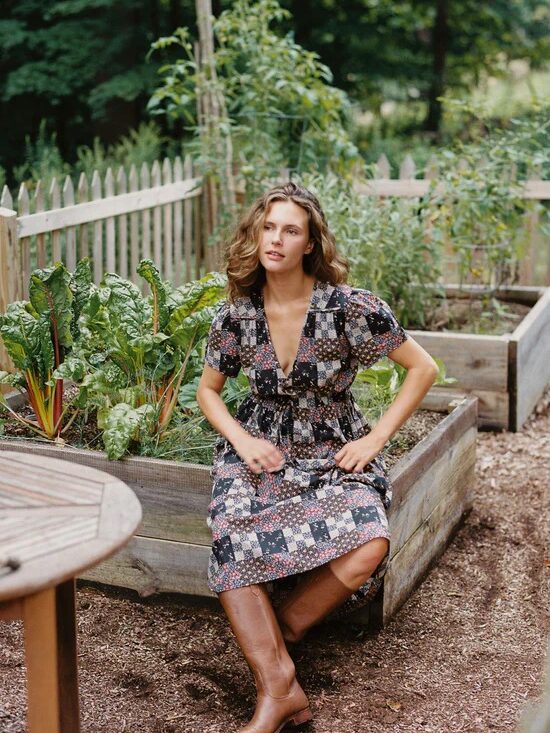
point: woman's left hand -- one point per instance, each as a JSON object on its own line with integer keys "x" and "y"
{"x": 356, "y": 454}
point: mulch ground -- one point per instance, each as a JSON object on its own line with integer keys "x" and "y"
{"x": 465, "y": 654}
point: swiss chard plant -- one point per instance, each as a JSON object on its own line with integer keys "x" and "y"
{"x": 136, "y": 352}
{"x": 38, "y": 335}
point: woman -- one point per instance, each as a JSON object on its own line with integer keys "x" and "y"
{"x": 300, "y": 490}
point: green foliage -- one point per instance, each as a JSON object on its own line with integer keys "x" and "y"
{"x": 282, "y": 108}
{"x": 42, "y": 160}
{"x": 386, "y": 244}
{"x": 38, "y": 336}
{"x": 381, "y": 50}
{"x": 479, "y": 204}
{"x": 383, "y": 381}
{"x": 137, "y": 352}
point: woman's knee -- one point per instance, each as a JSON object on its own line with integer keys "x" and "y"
{"x": 374, "y": 551}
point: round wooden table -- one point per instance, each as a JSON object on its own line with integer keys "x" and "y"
{"x": 57, "y": 518}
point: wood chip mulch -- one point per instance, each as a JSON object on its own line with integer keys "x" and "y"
{"x": 465, "y": 654}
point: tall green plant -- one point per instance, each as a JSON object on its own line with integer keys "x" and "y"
{"x": 136, "y": 352}
{"x": 283, "y": 109}
{"x": 386, "y": 243}
{"x": 479, "y": 204}
{"x": 38, "y": 336}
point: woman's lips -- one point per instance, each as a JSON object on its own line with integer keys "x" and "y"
{"x": 275, "y": 256}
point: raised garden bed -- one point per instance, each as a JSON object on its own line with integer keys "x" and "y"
{"x": 170, "y": 552}
{"x": 507, "y": 373}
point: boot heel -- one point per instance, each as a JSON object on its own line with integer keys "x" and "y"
{"x": 302, "y": 717}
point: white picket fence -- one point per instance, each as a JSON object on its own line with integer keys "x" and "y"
{"x": 115, "y": 222}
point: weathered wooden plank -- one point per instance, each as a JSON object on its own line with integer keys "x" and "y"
{"x": 156, "y": 179}
{"x": 407, "y": 169}
{"x": 145, "y": 182}
{"x": 70, "y": 234}
{"x": 529, "y": 361}
{"x": 23, "y": 206}
{"x": 110, "y": 235}
{"x": 40, "y": 205}
{"x": 133, "y": 184}
{"x": 493, "y": 407}
{"x": 132, "y": 470}
{"x": 167, "y": 260}
{"x": 122, "y": 223}
{"x": 178, "y": 226}
{"x": 98, "y": 231}
{"x": 97, "y": 210}
{"x": 82, "y": 196}
{"x": 188, "y": 221}
{"x": 394, "y": 187}
{"x": 525, "y": 294}
{"x": 431, "y": 488}
{"x": 476, "y": 361}
{"x": 156, "y": 566}
{"x": 421, "y": 458}
{"x": 55, "y": 203}
{"x": 408, "y": 566}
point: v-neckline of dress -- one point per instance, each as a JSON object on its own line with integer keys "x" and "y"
{"x": 301, "y": 337}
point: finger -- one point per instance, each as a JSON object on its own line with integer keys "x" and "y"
{"x": 256, "y": 465}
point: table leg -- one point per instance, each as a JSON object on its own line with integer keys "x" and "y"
{"x": 50, "y": 650}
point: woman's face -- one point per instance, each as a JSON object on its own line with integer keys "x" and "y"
{"x": 285, "y": 232}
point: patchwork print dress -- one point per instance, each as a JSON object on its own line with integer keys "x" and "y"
{"x": 271, "y": 527}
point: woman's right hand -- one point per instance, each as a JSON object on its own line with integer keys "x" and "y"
{"x": 259, "y": 454}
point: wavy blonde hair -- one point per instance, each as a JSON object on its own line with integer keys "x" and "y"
{"x": 240, "y": 258}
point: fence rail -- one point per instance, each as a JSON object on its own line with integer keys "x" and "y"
{"x": 115, "y": 221}
{"x": 160, "y": 213}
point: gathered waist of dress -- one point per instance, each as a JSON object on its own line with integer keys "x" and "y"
{"x": 307, "y": 404}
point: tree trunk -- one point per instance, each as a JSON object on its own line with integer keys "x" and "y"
{"x": 440, "y": 47}
{"x": 213, "y": 107}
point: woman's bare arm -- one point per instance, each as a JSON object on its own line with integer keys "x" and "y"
{"x": 214, "y": 408}
{"x": 258, "y": 454}
{"x": 421, "y": 373}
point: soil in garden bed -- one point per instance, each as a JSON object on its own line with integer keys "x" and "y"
{"x": 473, "y": 315}
{"x": 465, "y": 653}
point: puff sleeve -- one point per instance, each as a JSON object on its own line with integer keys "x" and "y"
{"x": 370, "y": 327}
{"x": 223, "y": 342}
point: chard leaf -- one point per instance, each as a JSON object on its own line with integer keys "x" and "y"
{"x": 72, "y": 368}
{"x": 129, "y": 312}
{"x": 121, "y": 424}
{"x": 192, "y": 327}
{"x": 149, "y": 272}
{"x": 82, "y": 290}
{"x": 21, "y": 334}
{"x": 46, "y": 364}
{"x": 50, "y": 294}
{"x": 198, "y": 294}
{"x": 13, "y": 379}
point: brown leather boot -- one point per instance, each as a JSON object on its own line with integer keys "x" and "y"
{"x": 310, "y": 601}
{"x": 280, "y": 699}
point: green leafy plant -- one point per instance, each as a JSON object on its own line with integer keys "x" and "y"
{"x": 386, "y": 244}
{"x": 479, "y": 207}
{"x": 383, "y": 381}
{"x": 136, "y": 352}
{"x": 282, "y": 109}
{"x": 38, "y": 336}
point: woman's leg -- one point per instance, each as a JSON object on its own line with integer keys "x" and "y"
{"x": 280, "y": 698}
{"x": 327, "y": 587}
